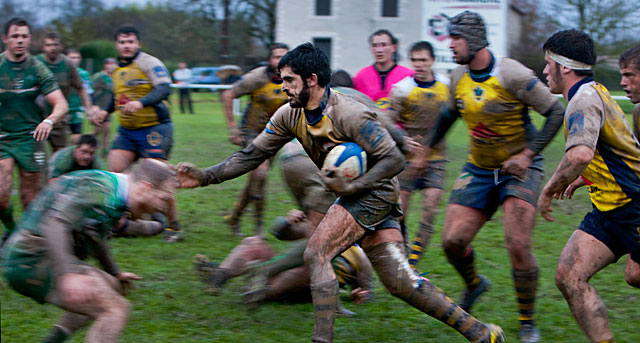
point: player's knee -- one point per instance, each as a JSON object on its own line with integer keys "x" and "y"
{"x": 313, "y": 256}
{"x": 453, "y": 246}
{"x": 564, "y": 278}
{"x": 632, "y": 280}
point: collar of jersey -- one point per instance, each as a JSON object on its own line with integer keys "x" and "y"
{"x": 313, "y": 118}
{"x": 483, "y": 74}
{"x": 574, "y": 89}
{"x": 124, "y": 64}
{"x": 424, "y": 84}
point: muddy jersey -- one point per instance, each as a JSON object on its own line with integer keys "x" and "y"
{"x": 102, "y": 89}
{"x": 20, "y": 85}
{"x": 594, "y": 119}
{"x": 66, "y": 74}
{"x": 495, "y": 109}
{"x": 132, "y": 81}
{"x": 63, "y": 162}
{"x": 417, "y": 108}
{"x": 266, "y": 96}
{"x": 343, "y": 119}
{"x": 636, "y": 122}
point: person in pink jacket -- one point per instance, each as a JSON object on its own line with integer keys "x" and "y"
{"x": 377, "y": 79}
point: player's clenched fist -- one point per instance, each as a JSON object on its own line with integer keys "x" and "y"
{"x": 189, "y": 176}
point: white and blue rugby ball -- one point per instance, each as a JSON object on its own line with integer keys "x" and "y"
{"x": 347, "y": 159}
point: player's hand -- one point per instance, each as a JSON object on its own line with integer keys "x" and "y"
{"x": 296, "y": 216}
{"x": 544, "y": 205}
{"x": 337, "y": 183}
{"x": 77, "y": 288}
{"x": 517, "y": 165}
{"x": 126, "y": 279}
{"x": 98, "y": 117}
{"x": 42, "y": 131}
{"x": 361, "y": 296}
{"x": 189, "y": 176}
{"x": 412, "y": 147}
{"x": 235, "y": 138}
{"x": 577, "y": 183}
{"x": 131, "y": 107}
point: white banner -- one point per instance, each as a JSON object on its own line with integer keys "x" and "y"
{"x": 437, "y": 14}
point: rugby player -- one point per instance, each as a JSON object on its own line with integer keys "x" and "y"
{"x": 601, "y": 153}
{"x": 74, "y": 157}
{"x": 102, "y": 97}
{"x": 415, "y": 104}
{"x": 76, "y": 111}
{"x": 141, "y": 87}
{"x": 504, "y": 167}
{"x": 23, "y": 126}
{"x": 630, "y": 82}
{"x": 263, "y": 85}
{"x": 69, "y": 81}
{"x": 367, "y": 210}
{"x": 70, "y": 221}
{"x": 377, "y": 79}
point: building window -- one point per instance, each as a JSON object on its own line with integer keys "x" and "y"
{"x": 389, "y": 8}
{"x": 323, "y": 7}
{"x": 323, "y": 44}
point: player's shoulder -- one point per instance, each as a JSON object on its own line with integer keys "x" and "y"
{"x": 403, "y": 87}
{"x": 586, "y": 96}
{"x": 442, "y": 79}
{"x": 512, "y": 70}
{"x": 458, "y": 73}
{"x": 145, "y": 60}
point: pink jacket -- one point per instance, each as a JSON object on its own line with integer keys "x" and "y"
{"x": 368, "y": 81}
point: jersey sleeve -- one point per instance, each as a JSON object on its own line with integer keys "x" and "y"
{"x": 396, "y": 104}
{"x": 249, "y": 82}
{"x": 277, "y": 132}
{"x": 456, "y": 75}
{"x": 583, "y": 120}
{"x": 525, "y": 85}
{"x": 155, "y": 70}
{"x": 361, "y": 125}
{"x": 46, "y": 79}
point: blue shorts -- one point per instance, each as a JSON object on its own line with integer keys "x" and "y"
{"x": 433, "y": 177}
{"x": 149, "y": 142}
{"x": 486, "y": 189}
{"x": 618, "y": 229}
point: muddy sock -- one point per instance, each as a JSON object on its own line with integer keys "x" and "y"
{"x": 420, "y": 243}
{"x": 325, "y": 304}
{"x": 466, "y": 268}
{"x": 526, "y": 284}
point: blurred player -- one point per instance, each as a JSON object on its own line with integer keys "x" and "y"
{"x": 415, "y": 104}
{"x": 601, "y": 153}
{"x": 493, "y": 96}
{"x": 102, "y": 97}
{"x": 22, "y": 128}
{"x": 263, "y": 85}
{"x": 141, "y": 87}
{"x": 76, "y": 111}
{"x": 70, "y": 221}
{"x": 74, "y": 157}
{"x": 367, "y": 209}
{"x": 183, "y": 77}
{"x": 630, "y": 82}
{"x": 69, "y": 80}
{"x": 377, "y": 79}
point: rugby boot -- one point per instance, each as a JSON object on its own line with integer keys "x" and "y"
{"x": 234, "y": 222}
{"x": 343, "y": 312}
{"x": 470, "y": 296}
{"x": 494, "y": 335}
{"x": 173, "y": 234}
{"x": 209, "y": 273}
{"x": 529, "y": 333}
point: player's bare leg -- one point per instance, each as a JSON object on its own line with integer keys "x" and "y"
{"x": 519, "y": 221}
{"x": 120, "y": 160}
{"x": 632, "y": 273}
{"x": 582, "y": 257}
{"x": 257, "y": 194}
{"x": 292, "y": 281}
{"x": 29, "y": 186}
{"x": 102, "y": 133}
{"x": 6, "y": 185}
{"x": 430, "y": 200}
{"x": 461, "y": 224}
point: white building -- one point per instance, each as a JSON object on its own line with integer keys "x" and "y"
{"x": 342, "y": 27}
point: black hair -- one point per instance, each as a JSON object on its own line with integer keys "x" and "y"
{"x": 17, "y": 21}
{"x": 421, "y": 46}
{"x": 380, "y": 32}
{"x": 52, "y": 35}
{"x": 305, "y": 60}
{"x": 277, "y": 46}
{"x": 341, "y": 78}
{"x": 126, "y": 29}
{"x": 70, "y": 50}
{"x": 573, "y": 44}
{"x": 630, "y": 58}
{"x": 89, "y": 140}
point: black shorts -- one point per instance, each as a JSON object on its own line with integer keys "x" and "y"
{"x": 618, "y": 229}
{"x": 375, "y": 209}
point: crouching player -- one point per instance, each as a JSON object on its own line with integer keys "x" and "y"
{"x": 70, "y": 221}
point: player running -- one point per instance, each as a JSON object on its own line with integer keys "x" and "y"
{"x": 23, "y": 125}
{"x": 505, "y": 167}
{"x": 630, "y": 82}
{"x": 102, "y": 97}
{"x": 76, "y": 111}
{"x": 415, "y": 104}
{"x": 601, "y": 153}
{"x": 368, "y": 206}
{"x": 263, "y": 85}
{"x": 141, "y": 87}
{"x": 70, "y": 221}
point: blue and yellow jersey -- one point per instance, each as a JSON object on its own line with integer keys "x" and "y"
{"x": 495, "y": 108}
{"x": 133, "y": 81}
{"x": 594, "y": 119}
{"x": 266, "y": 96}
{"x": 417, "y": 107}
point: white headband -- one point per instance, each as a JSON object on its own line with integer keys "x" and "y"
{"x": 567, "y": 62}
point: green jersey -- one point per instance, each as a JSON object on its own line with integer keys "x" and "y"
{"x": 63, "y": 162}
{"x": 75, "y": 103}
{"x": 66, "y": 75}
{"x": 20, "y": 84}
{"x": 102, "y": 89}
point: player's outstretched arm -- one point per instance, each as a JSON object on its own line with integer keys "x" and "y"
{"x": 237, "y": 164}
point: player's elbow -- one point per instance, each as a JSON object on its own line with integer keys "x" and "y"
{"x": 580, "y": 155}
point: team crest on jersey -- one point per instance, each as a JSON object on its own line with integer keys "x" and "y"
{"x": 154, "y": 138}
{"x": 478, "y": 94}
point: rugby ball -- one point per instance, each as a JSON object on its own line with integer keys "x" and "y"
{"x": 347, "y": 159}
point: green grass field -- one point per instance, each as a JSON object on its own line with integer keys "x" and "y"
{"x": 169, "y": 304}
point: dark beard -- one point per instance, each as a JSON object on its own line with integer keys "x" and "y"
{"x": 302, "y": 99}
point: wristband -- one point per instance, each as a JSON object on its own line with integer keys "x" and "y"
{"x": 48, "y": 121}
